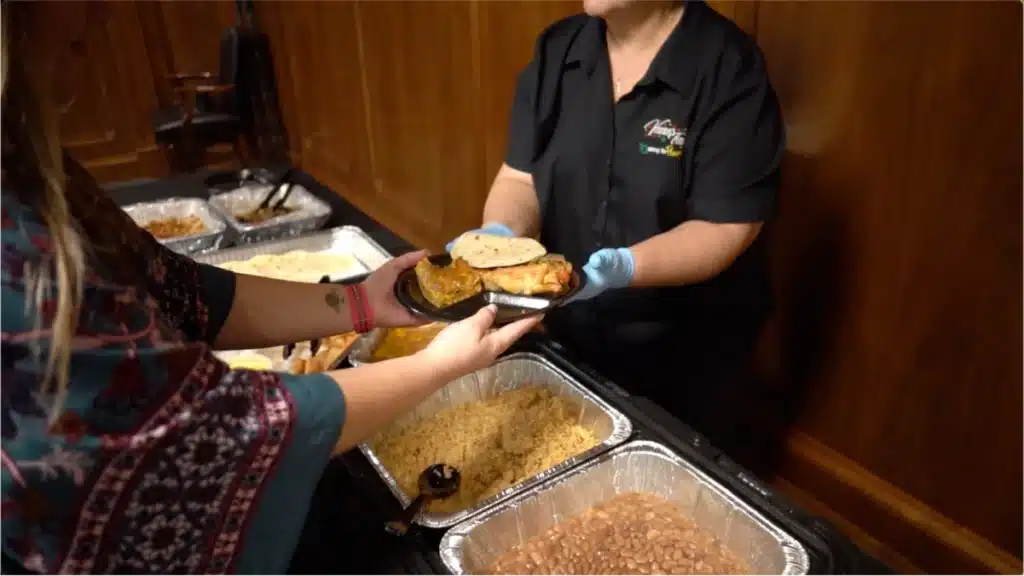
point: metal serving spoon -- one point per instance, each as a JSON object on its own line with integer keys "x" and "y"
{"x": 437, "y": 482}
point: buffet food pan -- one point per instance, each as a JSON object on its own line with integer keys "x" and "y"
{"x": 363, "y": 349}
{"x": 145, "y": 212}
{"x": 514, "y": 371}
{"x": 310, "y": 213}
{"x": 255, "y": 359}
{"x": 296, "y": 361}
{"x": 640, "y": 466}
{"x": 349, "y": 240}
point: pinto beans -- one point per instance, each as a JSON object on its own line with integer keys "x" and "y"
{"x": 632, "y": 533}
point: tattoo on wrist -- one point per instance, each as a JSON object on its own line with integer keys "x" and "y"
{"x": 334, "y": 300}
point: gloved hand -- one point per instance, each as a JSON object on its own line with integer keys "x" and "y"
{"x": 492, "y": 228}
{"x": 607, "y": 269}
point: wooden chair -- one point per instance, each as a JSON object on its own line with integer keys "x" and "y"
{"x": 209, "y": 109}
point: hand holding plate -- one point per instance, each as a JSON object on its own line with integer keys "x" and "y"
{"x": 470, "y": 344}
{"x": 387, "y": 312}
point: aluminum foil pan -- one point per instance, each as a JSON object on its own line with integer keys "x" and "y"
{"x": 272, "y": 358}
{"x": 362, "y": 351}
{"x": 146, "y": 212}
{"x": 511, "y": 372}
{"x": 364, "y": 347}
{"x": 244, "y": 358}
{"x": 640, "y": 466}
{"x": 310, "y": 213}
{"x": 344, "y": 240}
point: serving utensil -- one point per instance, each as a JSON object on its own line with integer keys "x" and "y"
{"x": 285, "y": 182}
{"x": 437, "y": 482}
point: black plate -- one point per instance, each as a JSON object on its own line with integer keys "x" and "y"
{"x": 511, "y": 307}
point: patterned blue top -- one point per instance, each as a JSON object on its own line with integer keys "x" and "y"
{"x": 162, "y": 460}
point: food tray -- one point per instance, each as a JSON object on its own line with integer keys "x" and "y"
{"x": 344, "y": 240}
{"x": 363, "y": 348}
{"x": 640, "y": 466}
{"x": 310, "y": 213}
{"x": 509, "y": 373}
{"x": 145, "y": 212}
{"x": 274, "y": 355}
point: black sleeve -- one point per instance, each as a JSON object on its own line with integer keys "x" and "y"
{"x": 736, "y": 167}
{"x": 521, "y": 142}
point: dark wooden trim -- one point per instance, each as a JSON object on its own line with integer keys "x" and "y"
{"x": 900, "y": 526}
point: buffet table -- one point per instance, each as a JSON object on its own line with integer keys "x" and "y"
{"x": 344, "y": 532}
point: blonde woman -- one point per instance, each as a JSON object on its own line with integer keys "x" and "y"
{"x": 127, "y": 446}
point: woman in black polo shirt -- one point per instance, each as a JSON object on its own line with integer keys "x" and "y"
{"x": 645, "y": 144}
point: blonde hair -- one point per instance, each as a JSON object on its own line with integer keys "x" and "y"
{"x": 34, "y": 161}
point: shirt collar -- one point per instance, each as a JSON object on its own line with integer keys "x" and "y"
{"x": 676, "y": 61}
{"x": 587, "y": 46}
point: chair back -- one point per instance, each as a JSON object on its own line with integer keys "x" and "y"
{"x": 235, "y": 69}
{"x": 230, "y": 46}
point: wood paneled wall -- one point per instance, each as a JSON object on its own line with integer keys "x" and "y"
{"x": 898, "y": 259}
{"x": 114, "y": 59}
{"x": 895, "y": 357}
{"x": 893, "y": 364}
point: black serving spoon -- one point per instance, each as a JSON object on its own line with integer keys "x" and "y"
{"x": 437, "y": 482}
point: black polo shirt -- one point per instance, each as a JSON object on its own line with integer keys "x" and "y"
{"x": 700, "y": 137}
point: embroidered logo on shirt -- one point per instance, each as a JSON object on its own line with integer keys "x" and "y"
{"x": 663, "y": 138}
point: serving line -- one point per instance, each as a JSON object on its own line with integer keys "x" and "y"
{"x": 344, "y": 529}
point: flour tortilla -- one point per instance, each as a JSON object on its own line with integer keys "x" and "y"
{"x": 297, "y": 266}
{"x": 489, "y": 251}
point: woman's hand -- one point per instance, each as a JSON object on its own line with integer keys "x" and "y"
{"x": 607, "y": 269}
{"x": 380, "y": 291}
{"x": 469, "y": 345}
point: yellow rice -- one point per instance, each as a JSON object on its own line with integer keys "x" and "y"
{"x": 495, "y": 444}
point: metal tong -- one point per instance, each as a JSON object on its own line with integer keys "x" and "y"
{"x": 284, "y": 181}
{"x": 314, "y": 345}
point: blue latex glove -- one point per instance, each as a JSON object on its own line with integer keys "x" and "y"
{"x": 493, "y": 228}
{"x": 607, "y": 269}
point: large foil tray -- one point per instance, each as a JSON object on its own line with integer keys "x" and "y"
{"x": 640, "y": 466}
{"x": 363, "y": 348}
{"x": 145, "y": 212}
{"x": 349, "y": 240}
{"x": 310, "y": 213}
{"x": 511, "y": 372}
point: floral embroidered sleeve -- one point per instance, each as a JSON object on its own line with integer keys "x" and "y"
{"x": 161, "y": 460}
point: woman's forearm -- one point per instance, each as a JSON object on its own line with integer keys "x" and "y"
{"x": 512, "y": 201}
{"x": 692, "y": 252}
{"x": 267, "y": 312}
{"x": 375, "y": 394}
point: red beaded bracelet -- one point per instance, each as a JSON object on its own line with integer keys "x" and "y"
{"x": 359, "y": 308}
